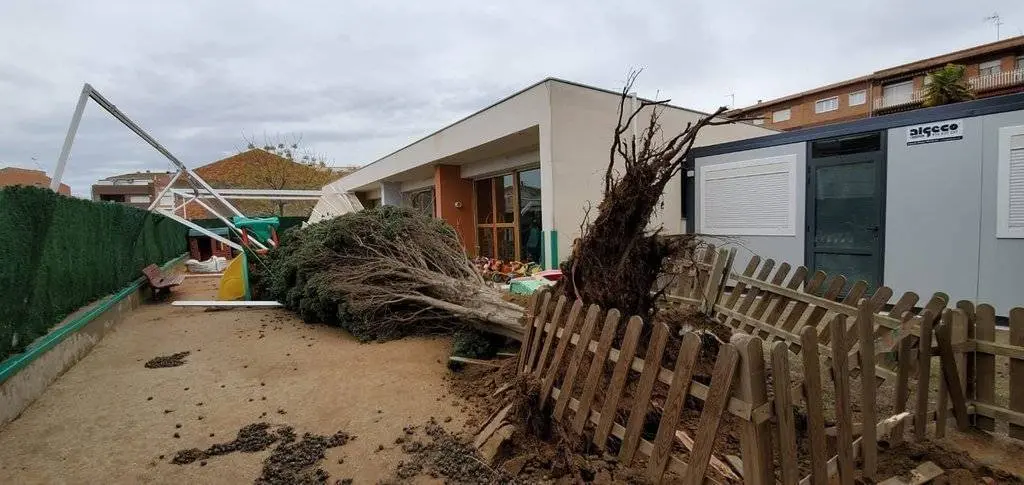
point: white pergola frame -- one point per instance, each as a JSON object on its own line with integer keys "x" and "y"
{"x": 197, "y": 182}
{"x": 253, "y": 194}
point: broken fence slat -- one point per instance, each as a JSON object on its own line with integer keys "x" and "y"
{"x": 574, "y": 364}
{"x": 596, "y": 371}
{"x": 985, "y": 364}
{"x": 467, "y": 360}
{"x": 618, "y": 381}
{"x": 815, "y": 405}
{"x": 528, "y": 317}
{"x": 539, "y": 322}
{"x": 571, "y": 324}
{"x": 214, "y": 303}
{"x": 924, "y": 473}
{"x": 556, "y": 320}
{"x": 642, "y": 396}
{"x": 951, "y": 377}
{"x": 844, "y": 421}
{"x": 725, "y": 469}
{"x": 784, "y": 413}
{"x": 865, "y": 328}
{"x": 924, "y": 368}
{"x": 711, "y": 416}
{"x": 681, "y": 377}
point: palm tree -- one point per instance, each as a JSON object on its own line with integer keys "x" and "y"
{"x": 947, "y": 85}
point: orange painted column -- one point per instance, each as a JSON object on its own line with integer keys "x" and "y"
{"x": 453, "y": 202}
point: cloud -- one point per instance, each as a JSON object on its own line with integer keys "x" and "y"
{"x": 359, "y": 79}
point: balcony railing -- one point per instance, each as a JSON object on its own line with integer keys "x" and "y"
{"x": 978, "y": 84}
{"x": 892, "y": 102}
{"x": 995, "y": 81}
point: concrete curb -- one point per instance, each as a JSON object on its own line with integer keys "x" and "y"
{"x": 25, "y": 376}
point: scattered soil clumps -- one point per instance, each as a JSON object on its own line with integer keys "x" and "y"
{"x": 437, "y": 453}
{"x": 291, "y": 462}
{"x": 959, "y": 467}
{"x": 173, "y": 360}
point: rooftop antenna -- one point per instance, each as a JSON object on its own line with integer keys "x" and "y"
{"x": 995, "y": 20}
{"x": 732, "y": 99}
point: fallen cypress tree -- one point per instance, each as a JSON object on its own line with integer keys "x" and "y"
{"x": 382, "y": 274}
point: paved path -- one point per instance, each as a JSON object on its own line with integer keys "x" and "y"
{"x": 96, "y": 423}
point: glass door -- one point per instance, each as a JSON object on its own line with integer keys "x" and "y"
{"x": 508, "y": 217}
{"x": 496, "y": 218}
{"x": 845, "y": 196}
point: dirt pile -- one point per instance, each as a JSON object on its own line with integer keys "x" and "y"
{"x": 291, "y": 462}
{"x": 435, "y": 452}
{"x": 173, "y": 360}
{"x": 960, "y": 468}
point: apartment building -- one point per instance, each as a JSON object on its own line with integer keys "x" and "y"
{"x": 992, "y": 69}
{"x": 136, "y": 189}
{"x": 24, "y": 176}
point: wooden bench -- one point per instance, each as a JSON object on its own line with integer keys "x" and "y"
{"x": 159, "y": 281}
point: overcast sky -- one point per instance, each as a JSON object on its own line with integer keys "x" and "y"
{"x": 360, "y": 79}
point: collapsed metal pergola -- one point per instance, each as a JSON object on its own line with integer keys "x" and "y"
{"x": 199, "y": 188}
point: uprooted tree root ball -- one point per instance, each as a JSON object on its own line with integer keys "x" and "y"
{"x": 620, "y": 258}
{"x": 382, "y": 274}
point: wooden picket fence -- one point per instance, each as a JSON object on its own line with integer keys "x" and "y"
{"x": 760, "y": 302}
{"x": 800, "y": 321}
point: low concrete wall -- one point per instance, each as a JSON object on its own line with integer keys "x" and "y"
{"x": 26, "y": 376}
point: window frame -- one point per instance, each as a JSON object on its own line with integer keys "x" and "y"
{"x": 830, "y": 98}
{"x": 910, "y": 97}
{"x": 1003, "y": 229}
{"x": 789, "y": 115}
{"x": 862, "y": 92}
{"x": 413, "y": 196}
{"x": 493, "y": 225}
{"x": 996, "y": 64}
{"x": 757, "y": 166}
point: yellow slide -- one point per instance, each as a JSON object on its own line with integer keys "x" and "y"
{"x": 233, "y": 284}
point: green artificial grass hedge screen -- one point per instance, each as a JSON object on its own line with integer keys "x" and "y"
{"x": 59, "y": 253}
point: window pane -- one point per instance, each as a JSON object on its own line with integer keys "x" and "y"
{"x": 898, "y": 93}
{"x": 531, "y": 237}
{"x": 858, "y": 98}
{"x": 846, "y": 213}
{"x": 825, "y": 105}
{"x": 989, "y": 68}
{"x": 781, "y": 115}
{"x": 507, "y": 244}
{"x": 485, "y": 242}
{"x": 854, "y": 266}
{"x": 421, "y": 201}
{"x": 484, "y": 207}
{"x": 506, "y": 199}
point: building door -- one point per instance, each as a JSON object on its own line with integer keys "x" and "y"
{"x": 508, "y": 217}
{"x": 846, "y": 207}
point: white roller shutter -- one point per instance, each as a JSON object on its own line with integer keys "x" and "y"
{"x": 748, "y": 198}
{"x": 1010, "y": 195}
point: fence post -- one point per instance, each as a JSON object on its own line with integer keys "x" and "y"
{"x": 717, "y": 277}
{"x": 531, "y": 312}
{"x": 755, "y": 438}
